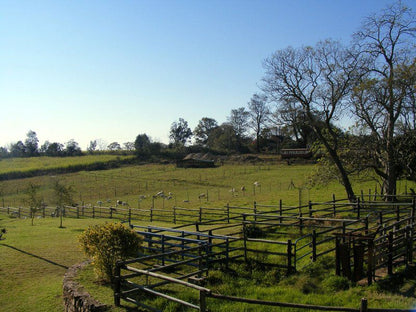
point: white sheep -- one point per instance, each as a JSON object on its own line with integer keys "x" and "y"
{"x": 160, "y": 194}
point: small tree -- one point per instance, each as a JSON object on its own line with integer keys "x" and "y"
{"x": 107, "y": 244}
{"x": 34, "y": 200}
{"x": 63, "y": 196}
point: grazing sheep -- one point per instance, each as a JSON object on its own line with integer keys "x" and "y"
{"x": 257, "y": 184}
{"x": 99, "y": 202}
{"x": 202, "y": 195}
{"x": 186, "y": 201}
{"x": 243, "y": 188}
{"x": 142, "y": 197}
{"x": 119, "y": 202}
{"x": 160, "y": 194}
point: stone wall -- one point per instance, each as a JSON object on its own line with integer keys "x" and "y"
{"x": 76, "y": 299}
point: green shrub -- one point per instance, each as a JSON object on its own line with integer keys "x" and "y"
{"x": 107, "y": 244}
{"x": 336, "y": 283}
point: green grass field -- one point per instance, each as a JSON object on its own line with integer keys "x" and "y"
{"x": 27, "y": 164}
{"x": 129, "y": 183}
{"x": 35, "y": 258}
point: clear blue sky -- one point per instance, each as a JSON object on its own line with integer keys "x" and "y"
{"x": 111, "y": 70}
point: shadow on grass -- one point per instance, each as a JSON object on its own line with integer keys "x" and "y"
{"x": 35, "y": 256}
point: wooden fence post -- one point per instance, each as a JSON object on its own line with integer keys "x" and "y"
{"x": 150, "y": 238}
{"x": 162, "y": 242}
{"x": 310, "y": 209}
{"x": 409, "y": 245}
{"x": 334, "y": 206}
{"x": 93, "y": 212}
{"x": 117, "y": 285}
{"x": 289, "y": 257}
{"x": 151, "y": 213}
{"x": 343, "y": 231}
{"x": 130, "y": 217}
{"x": 301, "y": 222}
{"x": 245, "y": 237}
{"x": 200, "y": 267}
{"x": 77, "y": 212}
{"x": 366, "y": 225}
{"x": 200, "y": 214}
{"x": 174, "y": 215}
{"x": 337, "y": 257}
{"x": 390, "y": 254}
{"x": 313, "y": 245}
{"x": 228, "y": 213}
{"x": 370, "y": 262}
{"x": 255, "y": 211}
{"x": 280, "y": 211}
{"x": 364, "y": 305}
{"x": 227, "y": 251}
{"x": 202, "y": 301}
{"x": 358, "y": 208}
{"x": 397, "y": 213}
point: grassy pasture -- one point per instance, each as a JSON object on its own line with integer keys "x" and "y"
{"x": 278, "y": 181}
{"x": 34, "y": 259}
{"x": 34, "y": 163}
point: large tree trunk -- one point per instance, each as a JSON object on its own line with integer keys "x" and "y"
{"x": 344, "y": 175}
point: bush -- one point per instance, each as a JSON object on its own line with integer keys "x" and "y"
{"x": 107, "y": 244}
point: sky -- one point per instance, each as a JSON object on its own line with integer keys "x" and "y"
{"x": 110, "y": 70}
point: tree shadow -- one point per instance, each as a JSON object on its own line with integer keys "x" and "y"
{"x": 35, "y": 256}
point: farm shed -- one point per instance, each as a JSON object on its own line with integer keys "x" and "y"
{"x": 197, "y": 160}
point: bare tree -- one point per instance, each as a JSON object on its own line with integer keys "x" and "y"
{"x": 384, "y": 98}
{"x": 318, "y": 79}
{"x": 238, "y": 120}
{"x": 258, "y": 115}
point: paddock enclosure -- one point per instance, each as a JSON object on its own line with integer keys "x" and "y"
{"x": 365, "y": 237}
